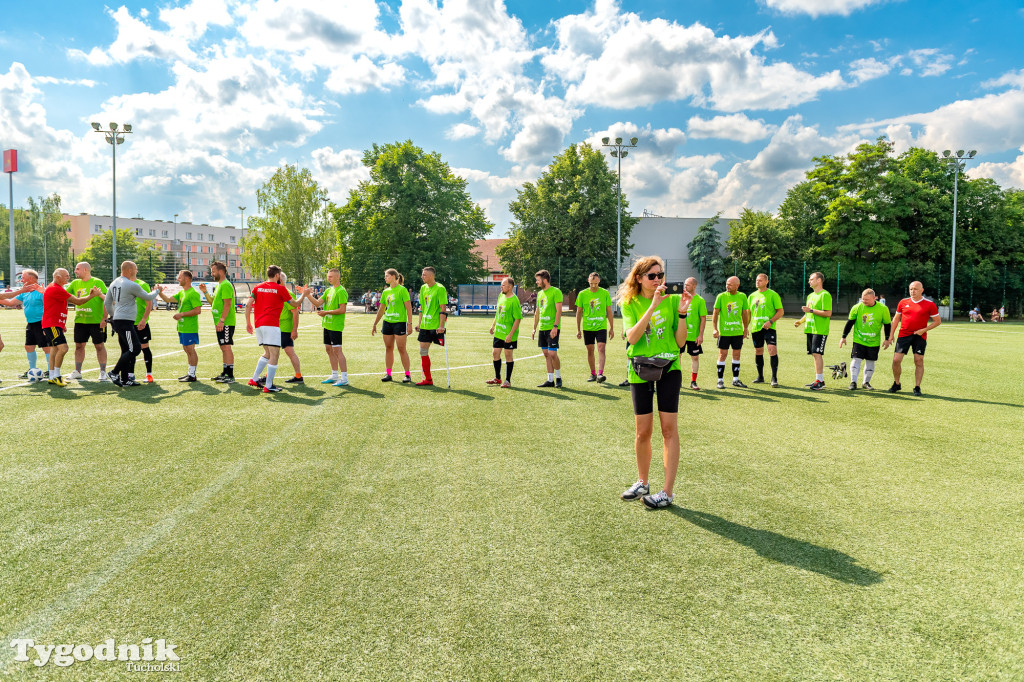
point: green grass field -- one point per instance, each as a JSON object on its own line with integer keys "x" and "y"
{"x": 385, "y": 531}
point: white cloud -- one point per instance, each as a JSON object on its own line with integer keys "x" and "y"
{"x": 862, "y": 70}
{"x": 138, "y": 40}
{"x": 50, "y": 80}
{"x": 817, "y": 8}
{"x": 619, "y": 60}
{"x": 1007, "y": 175}
{"x": 991, "y": 123}
{"x": 461, "y": 131}
{"x": 1013, "y": 79}
{"x": 730, "y": 127}
{"x": 930, "y": 62}
{"x": 339, "y": 171}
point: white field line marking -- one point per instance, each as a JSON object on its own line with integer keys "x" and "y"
{"x": 96, "y": 369}
{"x": 41, "y": 621}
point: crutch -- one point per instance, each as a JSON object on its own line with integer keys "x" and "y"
{"x": 447, "y": 369}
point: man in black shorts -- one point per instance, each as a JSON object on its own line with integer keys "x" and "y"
{"x": 730, "y": 324}
{"x": 548, "y": 316}
{"x": 90, "y": 323}
{"x": 508, "y": 315}
{"x": 696, "y": 319}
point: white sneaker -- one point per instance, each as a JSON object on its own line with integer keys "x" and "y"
{"x": 76, "y": 375}
{"x": 658, "y": 501}
{"x": 104, "y": 376}
{"x": 638, "y": 489}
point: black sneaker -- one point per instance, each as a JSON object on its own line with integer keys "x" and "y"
{"x": 625, "y": 383}
{"x": 739, "y": 384}
{"x": 593, "y": 377}
{"x": 218, "y": 377}
{"x": 226, "y": 380}
{"x": 116, "y": 380}
{"x": 558, "y": 382}
{"x": 917, "y": 391}
{"x": 775, "y": 382}
{"x": 853, "y": 385}
{"x": 694, "y": 386}
{"x": 601, "y": 378}
{"x": 759, "y": 380}
{"x": 867, "y": 386}
{"x": 295, "y": 380}
{"x": 894, "y": 388}
{"x": 271, "y": 389}
{"x": 407, "y": 379}
{"x": 23, "y": 375}
{"x": 130, "y": 383}
{"x": 386, "y": 378}
{"x": 261, "y": 382}
{"x": 636, "y": 491}
{"x": 817, "y": 386}
{"x": 188, "y": 379}
{"x": 546, "y": 384}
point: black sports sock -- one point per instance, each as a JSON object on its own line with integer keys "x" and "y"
{"x": 759, "y": 361}
{"x": 147, "y": 355}
{"x": 229, "y": 370}
{"x": 774, "y": 360}
{"x": 508, "y": 370}
{"x": 497, "y": 369}
{"x": 735, "y": 370}
{"x": 721, "y": 370}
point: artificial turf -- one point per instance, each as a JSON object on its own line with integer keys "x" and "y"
{"x": 385, "y": 531}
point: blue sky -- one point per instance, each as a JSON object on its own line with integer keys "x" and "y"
{"x": 730, "y": 100}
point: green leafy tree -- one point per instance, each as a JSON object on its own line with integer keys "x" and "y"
{"x": 705, "y": 252}
{"x": 98, "y": 253}
{"x": 412, "y": 212}
{"x": 293, "y": 229}
{"x": 40, "y": 235}
{"x": 567, "y": 221}
{"x": 759, "y": 242}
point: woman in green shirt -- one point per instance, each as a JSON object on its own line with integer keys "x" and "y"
{"x": 396, "y": 309}
{"x": 655, "y": 325}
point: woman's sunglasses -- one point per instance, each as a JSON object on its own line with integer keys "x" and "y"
{"x": 655, "y": 275}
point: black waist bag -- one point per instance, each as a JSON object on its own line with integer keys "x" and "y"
{"x": 650, "y": 369}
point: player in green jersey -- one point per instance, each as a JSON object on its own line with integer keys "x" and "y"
{"x": 222, "y": 305}
{"x": 433, "y": 319}
{"x": 334, "y": 304}
{"x": 508, "y": 315}
{"x": 655, "y": 325}
{"x": 548, "y": 316}
{"x": 730, "y": 324}
{"x": 817, "y": 314}
{"x": 696, "y": 319}
{"x": 90, "y": 321}
{"x": 396, "y": 309}
{"x": 867, "y": 320}
{"x": 765, "y": 311}
{"x": 190, "y": 306}
{"x": 595, "y": 323}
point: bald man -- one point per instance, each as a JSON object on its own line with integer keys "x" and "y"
{"x": 730, "y": 324}
{"x": 915, "y": 317}
{"x": 90, "y": 323}
{"x": 816, "y": 319}
{"x": 121, "y": 305}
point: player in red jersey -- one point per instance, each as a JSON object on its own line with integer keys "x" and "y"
{"x": 915, "y": 317}
{"x": 268, "y": 299}
{"x": 55, "y": 319}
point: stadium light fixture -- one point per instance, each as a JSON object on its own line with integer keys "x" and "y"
{"x": 618, "y": 151}
{"x": 955, "y": 163}
{"x": 114, "y": 137}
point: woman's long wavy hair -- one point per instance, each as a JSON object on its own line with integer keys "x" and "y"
{"x": 630, "y": 287}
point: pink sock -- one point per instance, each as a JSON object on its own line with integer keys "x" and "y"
{"x": 389, "y": 371}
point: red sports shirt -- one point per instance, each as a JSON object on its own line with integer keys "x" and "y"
{"x": 55, "y": 306}
{"x": 915, "y": 315}
{"x": 270, "y": 298}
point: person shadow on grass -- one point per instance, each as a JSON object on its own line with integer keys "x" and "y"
{"x": 785, "y": 550}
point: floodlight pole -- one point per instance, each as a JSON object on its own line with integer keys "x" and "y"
{"x": 11, "y": 167}
{"x": 956, "y": 162}
{"x": 619, "y": 151}
{"x": 113, "y": 137}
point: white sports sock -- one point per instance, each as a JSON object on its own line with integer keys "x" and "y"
{"x": 855, "y": 370}
{"x": 271, "y": 371}
{"x": 551, "y": 376}
{"x": 819, "y": 377}
{"x": 192, "y": 370}
{"x": 558, "y": 374}
{"x": 869, "y": 369}
{"x": 53, "y": 373}
{"x": 334, "y": 375}
{"x": 261, "y": 365}
{"x": 344, "y": 376}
